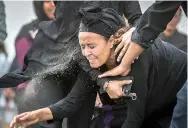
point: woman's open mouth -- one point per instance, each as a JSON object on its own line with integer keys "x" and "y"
{"x": 91, "y": 60}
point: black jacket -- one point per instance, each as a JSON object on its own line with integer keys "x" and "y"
{"x": 159, "y": 74}
{"x": 154, "y": 21}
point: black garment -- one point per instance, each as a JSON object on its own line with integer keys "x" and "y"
{"x": 30, "y": 30}
{"x": 152, "y": 22}
{"x": 177, "y": 39}
{"x": 164, "y": 71}
{"x": 39, "y": 11}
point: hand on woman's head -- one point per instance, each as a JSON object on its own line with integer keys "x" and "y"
{"x": 118, "y": 36}
{"x": 124, "y": 44}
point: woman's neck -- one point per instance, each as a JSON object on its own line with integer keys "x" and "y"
{"x": 111, "y": 61}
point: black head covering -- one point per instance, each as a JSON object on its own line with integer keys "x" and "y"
{"x": 39, "y": 11}
{"x": 105, "y": 22}
{"x": 34, "y": 25}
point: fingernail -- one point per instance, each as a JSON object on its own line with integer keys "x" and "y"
{"x": 130, "y": 81}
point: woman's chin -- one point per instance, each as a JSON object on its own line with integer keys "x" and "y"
{"x": 94, "y": 65}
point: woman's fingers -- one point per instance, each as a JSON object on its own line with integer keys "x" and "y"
{"x": 119, "y": 70}
{"x": 118, "y": 48}
{"x": 124, "y": 82}
{"x": 12, "y": 124}
{"x": 21, "y": 115}
{"x": 113, "y": 72}
{"x": 26, "y": 117}
{"x": 22, "y": 120}
{"x": 115, "y": 88}
{"x": 122, "y": 43}
{"x": 123, "y": 51}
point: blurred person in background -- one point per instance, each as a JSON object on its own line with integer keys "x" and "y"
{"x": 172, "y": 35}
{"x": 44, "y": 11}
{"x": 3, "y": 35}
{"x": 7, "y": 104}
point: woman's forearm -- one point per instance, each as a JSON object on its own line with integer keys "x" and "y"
{"x": 45, "y": 114}
{"x": 133, "y": 51}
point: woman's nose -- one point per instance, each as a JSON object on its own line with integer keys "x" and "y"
{"x": 86, "y": 52}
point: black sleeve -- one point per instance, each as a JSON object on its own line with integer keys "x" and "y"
{"x": 136, "y": 112}
{"x": 132, "y": 11}
{"x": 154, "y": 21}
{"x": 70, "y": 105}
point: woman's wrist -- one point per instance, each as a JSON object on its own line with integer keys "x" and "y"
{"x": 44, "y": 114}
{"x": 132, "y": 53}
{"x": 105, "y": 87}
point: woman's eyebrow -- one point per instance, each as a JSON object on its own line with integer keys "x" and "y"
{"x": 91, "y": 43}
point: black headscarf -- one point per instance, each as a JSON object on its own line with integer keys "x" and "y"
{"x": 105, "y": 22}
{"x": 34, "y": 25}
{"x": 39, "y": 11}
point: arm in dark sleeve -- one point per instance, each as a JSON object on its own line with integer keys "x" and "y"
{"x": 3, "y": 33}
{"x": 137, "y": 109}
{"x": 132, "y": 11}
{"x": 154, "y": 21}
{"x": 70, "y": 105}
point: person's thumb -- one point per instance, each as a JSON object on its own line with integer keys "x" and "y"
{"x": 112, "y": 72}
{"x": 125, "y": 82}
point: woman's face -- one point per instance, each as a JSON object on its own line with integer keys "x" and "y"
{"x": 49, "y": 8}
{"x": 95, "y": 48}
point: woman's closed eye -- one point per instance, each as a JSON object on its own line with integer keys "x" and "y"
{"x": 91, "y": 46}
{"x": 82, "y": 47}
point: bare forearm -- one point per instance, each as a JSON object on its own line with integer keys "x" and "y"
{"x": 45, "y": 114}
{"x": 133, "y": 51}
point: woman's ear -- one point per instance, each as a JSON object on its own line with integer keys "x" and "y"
{"x": 111, "y": 41}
